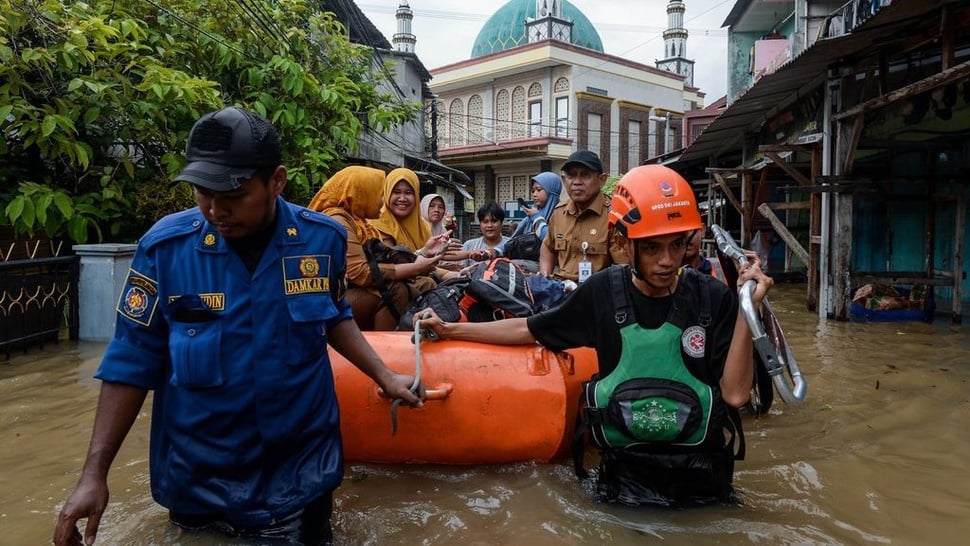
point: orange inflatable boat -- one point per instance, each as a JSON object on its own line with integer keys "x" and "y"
{"x": 486, "y": 403}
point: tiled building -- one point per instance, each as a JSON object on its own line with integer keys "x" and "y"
{"x": 538, "y": 86}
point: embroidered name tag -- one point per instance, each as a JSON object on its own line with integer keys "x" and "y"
{"x": 139, "y": 298}
{"x": 215, "y": 301}
{"x": 306, "y": 274}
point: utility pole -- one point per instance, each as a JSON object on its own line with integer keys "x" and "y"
{"x": 667, "y": 131}
{"x": 434, "y": 127}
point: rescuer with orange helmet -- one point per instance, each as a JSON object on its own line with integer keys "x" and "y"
{"x": 675, "y": 355}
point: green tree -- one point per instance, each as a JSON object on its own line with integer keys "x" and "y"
{"x": 96, "y": 100}
{"x": 610, "y": 184}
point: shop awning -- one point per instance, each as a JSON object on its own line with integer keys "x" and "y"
{"x": 803, "y": 75}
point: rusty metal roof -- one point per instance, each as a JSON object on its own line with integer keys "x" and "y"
{"x": 806, "y": 72}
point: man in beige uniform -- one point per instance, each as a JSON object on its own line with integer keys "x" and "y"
{"x": 579, "y": 241}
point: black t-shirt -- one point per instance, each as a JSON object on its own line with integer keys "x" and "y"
{"x": 250, "y": 248}
{"x": 586, "y": 318}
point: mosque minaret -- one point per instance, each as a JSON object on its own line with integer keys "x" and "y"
{"x": 675, "y": 44}
{"x": 404, "y": 39}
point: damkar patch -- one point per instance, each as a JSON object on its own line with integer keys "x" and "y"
{"x": 306, "y": 274}
{"x": 139, "y": 298}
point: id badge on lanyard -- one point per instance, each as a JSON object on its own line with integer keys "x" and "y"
{"x": 585, "y": 266}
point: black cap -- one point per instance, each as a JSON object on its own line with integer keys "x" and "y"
{"x": 228, "y": 145}
{"x": 585, "y": 158}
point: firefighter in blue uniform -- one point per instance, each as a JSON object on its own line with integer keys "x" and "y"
{"x": 226, "y": 315}
{"x": 674, "y": 352}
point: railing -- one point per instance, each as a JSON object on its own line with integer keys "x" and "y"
{"x": 38, "y": 301}
{"x": 457, "y": 134}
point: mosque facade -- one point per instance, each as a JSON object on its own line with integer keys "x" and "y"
{"x": 539, "y": 85}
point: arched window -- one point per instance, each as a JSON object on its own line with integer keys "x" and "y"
{"x": 503, "y": 189}
{"x": 561, "y": 86}
{"x": 521, "y": 187}
{"x": 475, "y": 126}
{"x": 502, "y": 113}
{"x": 535, "y": 110}
{"x": 481, "y": 196}
{"x": 456, "y": 123}
{"x": 519, "y": 121}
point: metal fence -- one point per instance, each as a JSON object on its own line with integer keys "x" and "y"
{"x": 38, "y": 301}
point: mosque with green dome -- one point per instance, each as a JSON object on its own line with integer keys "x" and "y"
{"x": 506, "y": 28}
{"x": 539, "y": 85}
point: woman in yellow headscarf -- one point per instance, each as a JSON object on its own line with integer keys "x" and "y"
{"x": 400, "y": 221}
{"x": 352, "y": 197}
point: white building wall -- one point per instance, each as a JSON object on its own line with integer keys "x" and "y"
{"x": 627, "y": 87}
{"x": 407, "y": 138}
{"x": 638, "y": 84}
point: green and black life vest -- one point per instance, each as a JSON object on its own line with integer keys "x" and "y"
{"x": 652, "y": 403}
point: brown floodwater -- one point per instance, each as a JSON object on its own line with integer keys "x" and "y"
{"x": 877, "y": 454}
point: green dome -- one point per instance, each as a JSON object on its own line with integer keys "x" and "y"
{"x": 506, "y": 28}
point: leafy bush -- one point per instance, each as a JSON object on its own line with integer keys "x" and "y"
{"x": 96, "y": 101}
{"x": 611, "y": 182}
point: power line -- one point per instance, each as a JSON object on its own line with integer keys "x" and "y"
{"x": 464, "y": 16}
{"x": 264, "y": 20}
{"x": 654, "y": 31}
{"x": 243, "y": 15}
{"x": 652, "y": 38}
{"x": 526, "y": 123}
{"x": 355, "y": 15}
{"x": 506, "y": 144}
{"x": 201, "y": 31}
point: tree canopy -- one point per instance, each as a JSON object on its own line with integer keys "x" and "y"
{"x": 96, "y": 101}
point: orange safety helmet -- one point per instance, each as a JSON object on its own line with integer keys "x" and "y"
{"x": 653, "y": 200}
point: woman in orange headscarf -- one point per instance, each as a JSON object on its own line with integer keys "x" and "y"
{"x": 352, "y": 197}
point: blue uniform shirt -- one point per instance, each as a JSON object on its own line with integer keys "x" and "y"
{"x": 244, "y": 421}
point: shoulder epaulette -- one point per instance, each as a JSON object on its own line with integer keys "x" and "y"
{"x": 173, "y": 226}
{"x": 314, "y": 216}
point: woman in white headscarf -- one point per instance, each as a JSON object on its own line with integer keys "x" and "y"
{"x": 433, "y": 210}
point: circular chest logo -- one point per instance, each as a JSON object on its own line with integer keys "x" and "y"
{"x": 136, "y": 302}
{"x": 694, "y": 341}
{"x": 209, "y": 239}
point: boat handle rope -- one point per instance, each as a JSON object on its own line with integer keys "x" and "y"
{"x": 791, "y": 393}
{"x": 417, "y": 376}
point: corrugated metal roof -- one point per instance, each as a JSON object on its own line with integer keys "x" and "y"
{"x": 803, "y": 74}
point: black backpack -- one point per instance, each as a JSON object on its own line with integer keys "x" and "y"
{"x": 377, "y": 252}
{"x": 443, "y": 300}
{"x": 523, "y": 247}
{"x": 498, "y": 290}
